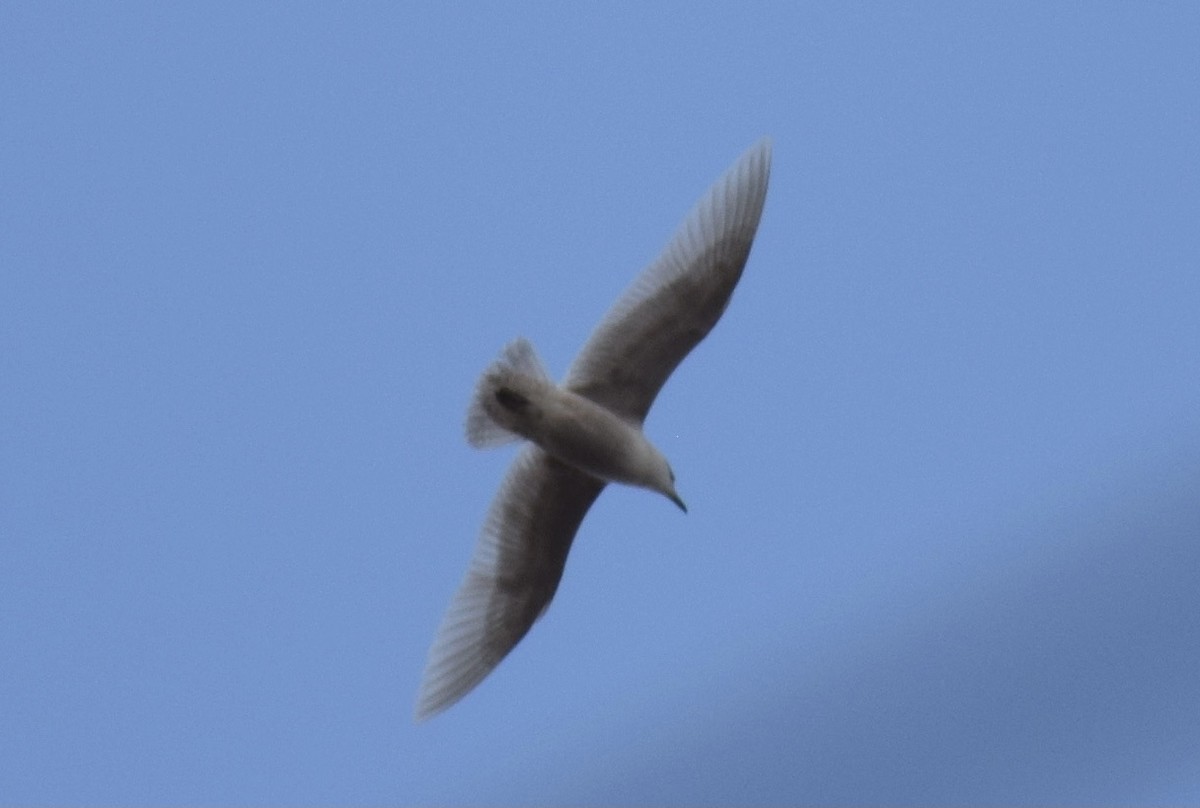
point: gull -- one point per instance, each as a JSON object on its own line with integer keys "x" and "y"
{"x": 587, "y": 432}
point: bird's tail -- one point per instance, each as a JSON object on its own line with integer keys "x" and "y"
{"x": 506, "y": 396}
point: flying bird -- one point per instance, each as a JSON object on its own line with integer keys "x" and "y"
{"x": 586, "y": 432}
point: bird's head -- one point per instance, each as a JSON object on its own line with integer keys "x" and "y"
{"x": 662, "y": 479}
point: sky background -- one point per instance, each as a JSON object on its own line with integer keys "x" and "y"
{"x": 942, "y": 454}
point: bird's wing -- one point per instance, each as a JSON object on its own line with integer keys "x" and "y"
{"x": 676, "y": 300}
{"x": 513, "y": 575}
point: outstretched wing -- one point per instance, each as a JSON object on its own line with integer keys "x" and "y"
{"x": 676, "y": 300}
{"x": 514, "y": 573}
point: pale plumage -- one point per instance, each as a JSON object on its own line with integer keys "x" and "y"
{"x": 520, "y": 555}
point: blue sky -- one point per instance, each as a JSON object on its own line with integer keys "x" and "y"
{"x": 942, "y": 455}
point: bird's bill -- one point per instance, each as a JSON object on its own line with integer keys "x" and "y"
{"x": 675, "y": 498}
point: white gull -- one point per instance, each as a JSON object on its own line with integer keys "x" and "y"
{"x": 587, "y": 432}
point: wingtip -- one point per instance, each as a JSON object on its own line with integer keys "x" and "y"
{"x": 750, "y": 172}
{"x": 762, "y": 150}
{"x": 423, "y": 712}
{"x": 434, "y": 698}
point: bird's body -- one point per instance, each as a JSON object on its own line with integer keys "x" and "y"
{"x": 587, "y": 432}
{"x": 515, "y": 397}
